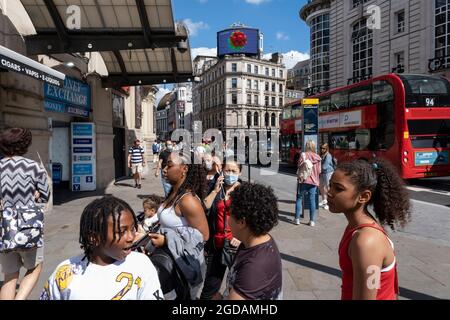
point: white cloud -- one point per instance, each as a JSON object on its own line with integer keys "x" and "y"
{"x": 203, "y": 52}
{"x": 195, "y": 27}
{"x": 291, "y": 58}
{"x": 256, "y": 2}
{"x": 282, "y": 36}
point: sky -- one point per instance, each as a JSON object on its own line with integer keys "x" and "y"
{"x": 278, "y": 20}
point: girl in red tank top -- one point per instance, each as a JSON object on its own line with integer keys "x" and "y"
{"x": 366, "y": 254}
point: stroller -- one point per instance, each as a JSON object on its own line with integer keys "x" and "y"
{"x": 173, "y": 282}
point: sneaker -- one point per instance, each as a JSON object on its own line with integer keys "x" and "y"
{"x": 139, "y": 186}
{"x": 312, "y": 223}
{"x": 326, "y": 207}
{"x": 297, "y": 222}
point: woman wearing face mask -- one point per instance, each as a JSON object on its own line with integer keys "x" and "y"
{"x": 219, "y": 202}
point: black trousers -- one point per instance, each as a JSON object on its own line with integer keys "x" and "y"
{"x": 215, "y": 271}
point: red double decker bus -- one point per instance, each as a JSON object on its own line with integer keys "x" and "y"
{"x": 402, "y": 118}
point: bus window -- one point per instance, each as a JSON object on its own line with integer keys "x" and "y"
{"x": 429, "y": 133}
{"x": 383, "y": 136}
{"x": 339, "y": 100}
{"x": 362, "y": 139}
{"x": 425, "y": 85}
{"x": 382, "y": 91}
{"x": 324, "y": 104}
{"x": 360, "y": 97}
{"x": 296, "y": 113}
{"x": 340, "y": 141}
{"x": 287, "y": 113}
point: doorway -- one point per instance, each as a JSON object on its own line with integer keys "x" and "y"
{"x": 119, "y": 149}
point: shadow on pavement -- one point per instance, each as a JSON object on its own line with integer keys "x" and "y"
{"x": 405, "y": 293}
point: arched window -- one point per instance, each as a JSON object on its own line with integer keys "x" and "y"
{"x": 249, "y": 118}
{"x": 273, "y": 124}
{"x": 256, "y": 119}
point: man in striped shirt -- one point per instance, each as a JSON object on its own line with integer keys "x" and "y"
{"x": 136, "y": 161}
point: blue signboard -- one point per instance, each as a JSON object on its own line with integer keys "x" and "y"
{"x": 74, "y": 98}
{"x": 238, "y": 41}
{"x": 431, "y": 158}
{"x": 83, "y": 157}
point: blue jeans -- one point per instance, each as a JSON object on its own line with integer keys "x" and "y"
{"x": 166, "y": 185}
{"x": 312, "y": 191}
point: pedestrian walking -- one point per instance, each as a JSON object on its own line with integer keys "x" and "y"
{"x": 183, "y": 224}
{"x": 156, "y": 150}
{"x": 366, "y": 254}
{"x": 309, "y": 168}
{"x": 163, "y": 159}
{"x": 22, "y": 183}
{"x": 326, "y": 173}
{"x": 222, "y": 245}
{"x": 136, "y": 162}
{"x": 107, "y": 230}
{"x": 256, "y": 273}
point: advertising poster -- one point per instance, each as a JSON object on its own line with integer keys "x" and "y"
{"x": 83, "y": 157}
{"x": 238, "y": 41}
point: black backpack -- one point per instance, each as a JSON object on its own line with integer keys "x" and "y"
{"x": 170, "y": 276}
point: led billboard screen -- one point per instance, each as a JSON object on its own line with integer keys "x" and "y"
{"x": 238, "y": 41}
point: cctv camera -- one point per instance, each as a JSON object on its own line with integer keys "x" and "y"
{"x": 182, "y": 46}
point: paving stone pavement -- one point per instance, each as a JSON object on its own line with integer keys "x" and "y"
{"x": 310, "y": 261}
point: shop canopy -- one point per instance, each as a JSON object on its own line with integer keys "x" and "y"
{"x": 138, "y": 39}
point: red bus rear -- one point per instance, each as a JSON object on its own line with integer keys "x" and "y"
{"x": 402, "y": 118}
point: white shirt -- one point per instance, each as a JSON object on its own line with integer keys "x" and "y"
{"x": 135, "y": 278}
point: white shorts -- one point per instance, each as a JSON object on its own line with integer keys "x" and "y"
{"x": 137, "y": 168}
{"x": 325, "y": 179}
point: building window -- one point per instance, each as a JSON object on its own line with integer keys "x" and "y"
{"x": 281, "y": 74}
{"x": 256, "y": 100}
{"x": 266, "y": 119}
{"x": 267, "y": 86}
{"x": 400, "y": 21}
{"x": 249, "y": 99}
{"x": 273, "y": 87}
{"x": 267, "y": 71}
{"x": 234, "y": 98}
{"x": 266, "y": 101}
{"x": 273, "y": 102}
{"x": 249, "y": 84}
{"x": 399, "y": 58}
{"x": 255, "y": 85}
{"x": 249, "y": 118}
{"x": 281, "y": 88}
{"x": 356, "y": 3}
{"x": 442, "y": 32}
{"x": 273, "y": 120}
{"x": 256, "y": 69}
{"x": 273, "y": 73}
{"x": 362, "y": 39}
{"x": 249, "y": 68}
{"x": 234, "y": 67}
{"x": 233, "y": 83}
{"x": 320, "y": 49}
{"x": 281, "y": 102}
{"x": 256, "y": 119}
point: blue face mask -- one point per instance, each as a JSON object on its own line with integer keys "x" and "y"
{"x": 230, "y": 179}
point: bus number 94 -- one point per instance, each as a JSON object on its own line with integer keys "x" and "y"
{"x": 429, "y": 102}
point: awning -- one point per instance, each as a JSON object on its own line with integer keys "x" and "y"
{"x": 138, "y": 39}
{"x": 13, "y": 61}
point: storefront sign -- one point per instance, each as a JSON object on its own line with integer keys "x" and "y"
{"x": 74, "y": 98}
{"x": 13, "y": 61}
{"x": 83, "y": 157}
